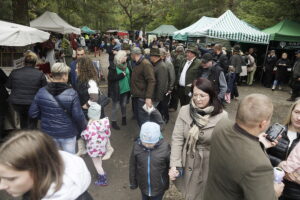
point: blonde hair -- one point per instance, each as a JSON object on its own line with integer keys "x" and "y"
{"x": 59, "y": 69}
{"x": 288, "y": 120}
{"x": 254, "y": 109}
{"x": 36, "y": 152}
{"x": 119, "y": 57}
{"x": 30, "y": 58}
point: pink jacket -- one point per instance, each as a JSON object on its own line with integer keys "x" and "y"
{"x": 293, "y": 161}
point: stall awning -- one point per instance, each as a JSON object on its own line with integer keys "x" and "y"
{"x": 164, "y": 30}
{"x": 50, "y": 21}
{"x": 288, "y": 31}
{"x": 12, "y": 34}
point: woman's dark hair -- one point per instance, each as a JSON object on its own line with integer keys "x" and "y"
{"x": 87, "y": 70}
{"x": 206, "y": 86}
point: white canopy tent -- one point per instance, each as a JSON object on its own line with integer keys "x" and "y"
{"x": 203, "y": 22}
{"x": 17, "y": 35}
{"x": 50, "y": 21}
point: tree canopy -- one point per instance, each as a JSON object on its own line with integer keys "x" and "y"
{"x": 149, "y": 14}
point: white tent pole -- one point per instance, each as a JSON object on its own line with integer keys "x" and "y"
{"x": 264, "y": 62}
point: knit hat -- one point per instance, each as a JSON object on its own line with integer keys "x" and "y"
{"x": 94, "y": 111}
{"x": 136, "y": 50}
{"x": 150, "y": 133}
{"x": 154, "y": 52}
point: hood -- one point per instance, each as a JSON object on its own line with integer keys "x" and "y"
{"x": 76, "y": 179}
{"x": 57, "y": 88}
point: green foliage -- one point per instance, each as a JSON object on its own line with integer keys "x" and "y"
{"x": 149, "y": 14}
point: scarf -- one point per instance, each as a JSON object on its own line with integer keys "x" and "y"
{"x": 124, "y": 83}
{"x": 200, "y": 119}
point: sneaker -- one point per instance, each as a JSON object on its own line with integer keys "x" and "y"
{"x": 172, "y": 109}
{"x": 280, "y": 88}
{"x": 273, "y": 87}
{"x": 108, "y": 154}
{"x": 81, "y": 147}
{"x": 101, "y": 180}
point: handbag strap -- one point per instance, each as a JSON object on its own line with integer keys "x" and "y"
{"x": 62, "y": 107}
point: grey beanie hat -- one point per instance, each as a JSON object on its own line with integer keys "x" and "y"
{"x": 94, "y": 111}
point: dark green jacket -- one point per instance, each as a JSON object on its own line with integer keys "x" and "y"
{"x": 239, "y": 168}
{"x": 161, "y": 77}
{"x": 191, "y": 74}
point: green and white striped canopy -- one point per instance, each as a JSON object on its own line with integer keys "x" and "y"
{"x": 229, "y": 27}
{"x": 201, "y": 24}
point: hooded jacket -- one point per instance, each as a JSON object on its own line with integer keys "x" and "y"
{"x": 59, "y": 120}
{"x": 149, "y": 168}
{"x": 76, "y": 179}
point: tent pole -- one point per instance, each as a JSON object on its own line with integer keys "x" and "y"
{"x": 262, "y": 74}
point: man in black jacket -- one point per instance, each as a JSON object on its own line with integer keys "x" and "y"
{"x": 220, "y": 58}
{"x": 3, "y": 102}
{"x": 296, "y": 78}
{"x": 24, "y": 84}
{"x": 213, "y": 72}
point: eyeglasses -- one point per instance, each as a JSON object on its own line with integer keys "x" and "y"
{"x": 200, "y": 96}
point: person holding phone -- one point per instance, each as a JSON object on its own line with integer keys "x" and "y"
{"x": 286, "y": 147}
{"x": 239, "y": 168}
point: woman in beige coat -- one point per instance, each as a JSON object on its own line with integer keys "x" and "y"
{"x": 191, "y": 140}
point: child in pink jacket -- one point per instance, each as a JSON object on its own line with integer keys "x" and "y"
{"x": 97, "y": 135}
{"x": 292, "y": 164}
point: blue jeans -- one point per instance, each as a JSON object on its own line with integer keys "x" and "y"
{"x": 158, "y": 197}
{"x": 66, "y": 144}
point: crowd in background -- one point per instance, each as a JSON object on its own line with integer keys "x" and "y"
{"x": 155, "y": 77}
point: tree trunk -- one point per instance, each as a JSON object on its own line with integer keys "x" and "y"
{"x": 20, "y": 11}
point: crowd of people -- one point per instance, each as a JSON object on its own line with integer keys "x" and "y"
{"x": 210, "y": 156}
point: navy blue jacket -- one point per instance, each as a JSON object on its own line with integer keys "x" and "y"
{"x": 55, "y": 120}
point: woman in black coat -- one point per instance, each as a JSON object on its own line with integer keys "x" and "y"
{"x": 119, "y": 87}
{"x": 24, "y": 84}
{"x": 290, "y": 138}
{"x": 281, "y": 71}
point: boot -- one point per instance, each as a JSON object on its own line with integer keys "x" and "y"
{"x": 81, "y": 147}
{"x": 101, "y": 180}
{"x": 115, "y": 125}
{"x": 124, "y": 121}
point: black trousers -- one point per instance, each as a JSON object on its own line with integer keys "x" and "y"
{"x": 184, "y": 99}
{"x": 174, "y": 99}
{"x": 25, "y": 121}
{"x": 163, "y": 108}
{"x": 268, "y": 78}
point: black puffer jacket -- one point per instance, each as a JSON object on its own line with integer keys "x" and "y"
{"x": 24, "y": 84}
{"x": 149, "y": 168}
{"x": 280, "y": 153}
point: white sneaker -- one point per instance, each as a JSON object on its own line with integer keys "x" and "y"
{"x": 81, "y": 147}
{"x": 274, "y": 87}
{"x": 108, "y": 154}
{"x": 280, "y": 88}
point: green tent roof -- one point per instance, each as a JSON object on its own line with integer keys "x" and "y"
{"x": 228, "y": 27}
{"x": 203, "y": 22}
{"x": 286, "y": 30}
{"x": 87, "y": 30}
{"x": 164, "y": 30}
